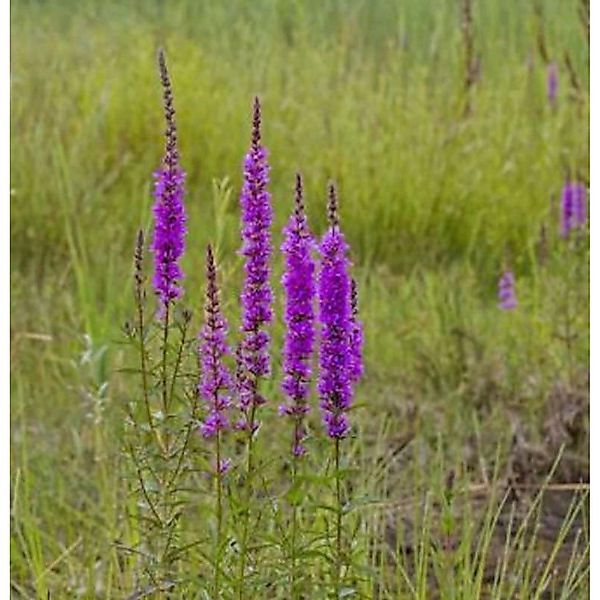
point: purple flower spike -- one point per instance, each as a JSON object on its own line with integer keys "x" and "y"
{"x": 168, "y": 244}
{"x": 566, "y": 210}
{"x": 334, "y": 386}
{"x": 573, "y": 208}
{"x": 356, "y": 337}
{"x": 215, "y": 382}
{"x": 552, "y": 83}
{"x": 506, "y": 291}
{"x": 298, "y": 282}
{"x": 257, "y": 297}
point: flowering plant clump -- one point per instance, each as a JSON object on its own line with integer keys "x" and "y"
{"x": 158, "y": 428}
{"x": 168, "y": 244}
{"x": 336, "y": 327}
{"x": 299, "y": 284}
{"x": 165, "y": 456}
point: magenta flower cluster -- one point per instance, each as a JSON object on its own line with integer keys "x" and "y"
{"x": 299, "y": 284}
{"x": 314, "y": 274}
{"x": 168, "y": 244}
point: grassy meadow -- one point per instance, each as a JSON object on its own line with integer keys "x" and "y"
{"x": 466, "y": 472}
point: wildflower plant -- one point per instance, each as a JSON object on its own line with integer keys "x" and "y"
{"x": 574, "y": 304}
{"x": 337, "y": 367}
{"x": 257, "y": 313}
{"x": 335, "y": 318}
{"x": 299, "y": 284}
{"x": 215, "y": 389}
{"x": 168, "y": 244}
{"x": 160, "y": 426}
{"x": 257, "y": 297}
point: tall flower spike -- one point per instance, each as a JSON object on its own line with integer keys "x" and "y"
{"x": 257, "y": 297}
{"x": 573, "y": 208}
{"x": 506, "y": 291}
{"x": 298, "y": 282}
{"x": 215, "y": 380}
{"x": 168, "y": 244}
{"x": 334, "y": 386}
{"x": 356, "y": 337}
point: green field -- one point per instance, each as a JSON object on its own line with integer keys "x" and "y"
{"x": 435, "y": 201}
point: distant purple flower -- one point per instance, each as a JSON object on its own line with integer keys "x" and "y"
{"x": 215, "y": 381}
{"x": 257, "y": 297}
{"x": 168, "y": 244}
{"x": 224, "y": 466}
{"x": 552, "y": 83}
{"x": 573, "y": 208}
{"x": 356, "y": 337}
{"x": 506, "y": 291}
{"x": 299, "y": 284}
{"x": 335, "y": 388}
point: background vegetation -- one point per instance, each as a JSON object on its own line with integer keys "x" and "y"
{"x": 435, "y": 205}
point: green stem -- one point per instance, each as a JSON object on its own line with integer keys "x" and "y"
{"x": 338, "y": 528}
{"x": 295, "y": 593}
{"x": 142, "y": 347}
{"x": 164, "y": 479}
{"x": 219, "y": 482}
{"x": 248, "y": 498}
{"x": 143, "y": 367}
{"x": 177, "y": 363}
{"x": 164, "y": 386}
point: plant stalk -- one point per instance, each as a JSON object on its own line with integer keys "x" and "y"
{"x": 248, "y": 498}
{"x": 219, "y": 484}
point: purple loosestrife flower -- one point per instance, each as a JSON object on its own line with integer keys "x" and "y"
{"x": 168, "y": 244}
{"x": 506, "y": 291}
{"x": 334, "y": 386}
{"x": 573, "y": 208}
{"x": 552, "y": 83}
{"x": 257, "y": 297}
{"x": 215, "y": 381}
{"x": 299, "y": 284}
{"x": 356, "y": 337}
